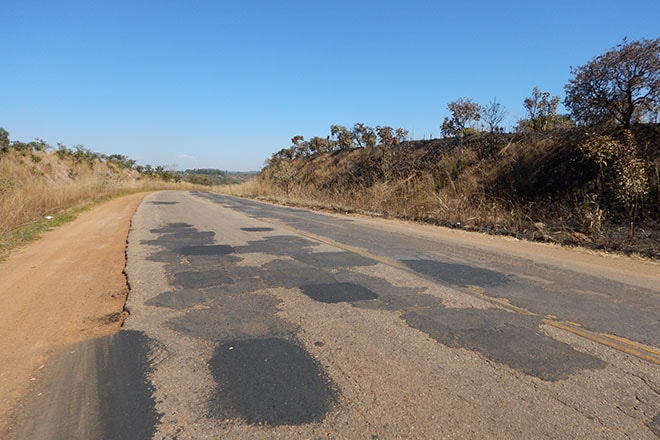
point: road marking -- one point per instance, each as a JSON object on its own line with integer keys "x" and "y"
{"x": 633, "y": 348}
{"x": 505, "y": 303}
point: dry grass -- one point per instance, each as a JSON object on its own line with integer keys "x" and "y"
{"x": 35, "y": 184}
{"x": 532, "y": 186}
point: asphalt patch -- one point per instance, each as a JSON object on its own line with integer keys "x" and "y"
{"x": 338, "y": 292}
{"x": 334, "y": 259}
{"x": 269, "y": 381}
{"x": 277, "y": 245}
{"x": 97, "y": 389}
{"x": 171, "y": 227}
{"x": 389, "y": 297}
{"x": 237, "y": 317}
{"x": 197, "y": 280}
{"x": 127, "y": 405}
{"x": 293, "y": 274}
{"x": 263, "y": 229}
{"x": 214, "y": 249}
{"x": 654, "y": 425}
{"x": 504, "y": 337}
{"x": 164, "y": 203}
{"x": 179, "y": 299}
{"x": 457, "y": 274}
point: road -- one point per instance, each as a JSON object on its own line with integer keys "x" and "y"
{"x": 249, "y": 320}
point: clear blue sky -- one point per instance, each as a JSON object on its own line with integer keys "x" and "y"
{"x": 224, "y": 84}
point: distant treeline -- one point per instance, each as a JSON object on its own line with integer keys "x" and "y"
{"x": 212, "y": 176}
{"x": 82, "y": 154}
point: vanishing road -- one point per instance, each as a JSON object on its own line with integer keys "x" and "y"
{"x": 249, "y": 321}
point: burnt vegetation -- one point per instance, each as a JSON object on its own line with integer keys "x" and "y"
{"x": 590, "y": 177}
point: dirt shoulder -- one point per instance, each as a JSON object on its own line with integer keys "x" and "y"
{"x": 67, "y": 287}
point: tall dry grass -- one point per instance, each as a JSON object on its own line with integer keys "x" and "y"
{"x": 36, "y": 184}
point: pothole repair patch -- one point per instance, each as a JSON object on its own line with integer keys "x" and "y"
{"x": 270, "y": 381}
{"x": 338, "y": 292}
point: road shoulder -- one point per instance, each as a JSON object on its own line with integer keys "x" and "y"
{"x": 65, "y": 288}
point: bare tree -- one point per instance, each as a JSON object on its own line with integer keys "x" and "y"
{"x": 493, "y": 114}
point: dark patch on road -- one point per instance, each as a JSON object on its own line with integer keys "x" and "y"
{"x": 334, "y": 259}
{"x": 389, "y": 297}
{"x": 173, "y": 240}
{"x": 233, "y": 317}
{"x": 654, "y": 425}
{"x": 196, "y": 280}
{"x": 179, "y": 299}
{"x": 97, "y": 389}
{"x": 293, "y": 274}
{"x": 338, "y": 292}
{"x": 164, "y": 203}
{"x": 215, "y": 249}
{"x": 127, "y": 405}
{"x": 269, "y": 381}
{"x": 171, "y": 227}
{"x": 505, "y": 337}
{"x": 277, "y": 245}
{"x": 457, "y": 274}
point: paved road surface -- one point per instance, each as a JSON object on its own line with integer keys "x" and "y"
{"x": 255, "y": 321}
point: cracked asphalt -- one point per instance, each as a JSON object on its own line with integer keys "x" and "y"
{"x": 275, "y": 322}
{"x": 249, "y": 320}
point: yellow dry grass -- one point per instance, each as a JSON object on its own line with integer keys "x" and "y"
{"x": 36, "y": 184}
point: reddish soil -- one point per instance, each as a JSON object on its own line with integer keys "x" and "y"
{"x": 67, "y": 287}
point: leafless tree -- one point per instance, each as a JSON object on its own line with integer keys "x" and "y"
{"x": 493, "y": 114}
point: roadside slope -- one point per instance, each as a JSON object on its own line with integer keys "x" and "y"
{"x": 67, "y": 287}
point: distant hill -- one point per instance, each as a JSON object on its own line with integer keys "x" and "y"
{"x": 212, "y": 176}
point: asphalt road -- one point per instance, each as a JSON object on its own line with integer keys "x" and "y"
{"x": 250, "y": 320}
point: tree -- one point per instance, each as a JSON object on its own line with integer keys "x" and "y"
{"x": 4, "y": 140}
{"x": 364, "y": 136}
{"x": 542, "y": 110}
{"x": 386, "y": 135}
{"x": 300, "y": 147}
{"x": 401, "y": 135}
{"x": 493, "y": 114}
{"x": 464, "y": 113}
{"x": 343, "y": 138}
{"x": 622, "y": 85}
{"x": 319, "y": 145}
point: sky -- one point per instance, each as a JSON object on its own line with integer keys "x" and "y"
{"x": 225, "y": 84}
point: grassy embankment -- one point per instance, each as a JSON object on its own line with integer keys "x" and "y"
{"x": 537, "y": 186}
{"x": 39, "y": 184}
